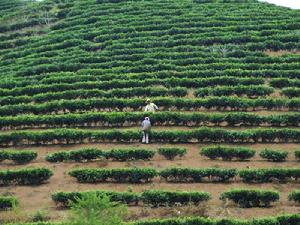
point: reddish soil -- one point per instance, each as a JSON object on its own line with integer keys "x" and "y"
{"x": 34, "y": 198}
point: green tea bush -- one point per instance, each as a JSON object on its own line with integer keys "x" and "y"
{"x": 76, "y": 155}
{"x": 18, "y": 156}
{"x": 93, "y": 154}
{"x": 294, "y": 196}
{"x": 275, "y": 156}
{"x": 64, "y": 198}
{"x": 149, "y": 197}
{"x": 112, "y": 119}
{"x": 211, "y": 135}
{"x": 129, "y": 175}
{"x": 8, "y": 202}
{"x": 158, "y": 198}
{"x": 197, "y": 175}
{"x": 268, "y": 175}
{"x": 28, "y": 176}
{"x": 251, "y": 91}
{"x": 227, "y": 153}
{"x": 129, "y": 154}
{"x": 171, "y": 153}
{"x": 251, "y": 198}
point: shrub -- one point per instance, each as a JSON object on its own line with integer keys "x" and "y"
{"x": 111, "y": 119}
{"x": 57, "y": 157}
{"x": 149, "y": 197}
{"x": 197, "y": 175}
{"x": 8, "y": 202}
{"x": 227, "y": 153}
{"x": 64, "y": 198}
{"x": 93, "y": 154}
{"x": 251, "y": 198}
{"x": 129, "y": 154}
{"x": 275, "y": 156}
{"x": 280, "y": 220}
{"x": 25, "y": 176}
{"x": 80, "y": 155}
{"x": 170, "y": 198}
{"x": 71, "y": 136}
{"x": 95, "y": 209}
{"x": 294, "y": 196}
{"x": 171, "y": 153}
{"x": 20, "y": 157}
{"x": 130, "y": 175}
{"x": 268, "y": 175}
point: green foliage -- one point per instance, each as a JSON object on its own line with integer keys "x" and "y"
{"x": 118, "y": 119}
{"x": 94, "y": 153}
{"x": 93, "y": 209}
{"x": 157, "y": 198}
{"x": 18, "y": 156}
{"x": 129, "y": 154}
{"x": 227, "y": 153}
{"x": 268, "y": 175}
{"x": 275, "y": 156}
{"x": 64, "y": 198}
{"x": 75, "y": 136}
{"x": 286, "y": 220}
{"x": 8, "y": 202}
{"x": 250, "y": 91}
{"x": 226, "y": 103}
{"x": 150, "y": 197}
{"x": 126, "y": 175}
{"x": 76, "y": 155}
{"x": 251, "y": 198}
{"x": 28, "y": 176}
{"x": 197, "y": 175}
{"x": 294, "y": 196}
{"x": 171, "y": 153}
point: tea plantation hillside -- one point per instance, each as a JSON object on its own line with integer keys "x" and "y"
{"x": 74, "y": 79}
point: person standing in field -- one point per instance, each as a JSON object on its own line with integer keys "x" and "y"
{"x": 146, "y": 127}
{"x": 150, "y": 107}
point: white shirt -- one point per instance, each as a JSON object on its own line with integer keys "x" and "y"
{"x": 151, "y": 107}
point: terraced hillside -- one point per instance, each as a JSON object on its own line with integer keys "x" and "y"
{"x": 74, "y": 77}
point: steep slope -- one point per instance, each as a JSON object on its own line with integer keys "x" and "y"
{"x": 148, "y": 36}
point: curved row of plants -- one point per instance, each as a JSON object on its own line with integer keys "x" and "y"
{"x": 184, "y": 175}
{"x": 240, "y": 90}
{"x": 114, "y": 154}
{"x": 95, "y": 93}
{"x": 167, "y": 103}
{"x": 118, "y": 83}
{"x": 242, "y": 153}
{"x": 127, "y": 154}
{"x": 96, "y": 75}
{"x": 156, "y": 198}
{"x": 291, "y": 92}
{"x": 201, "y": 135}
{"x": 128, "y": 119}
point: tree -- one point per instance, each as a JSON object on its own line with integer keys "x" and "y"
{"x": 93, "y": 209}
